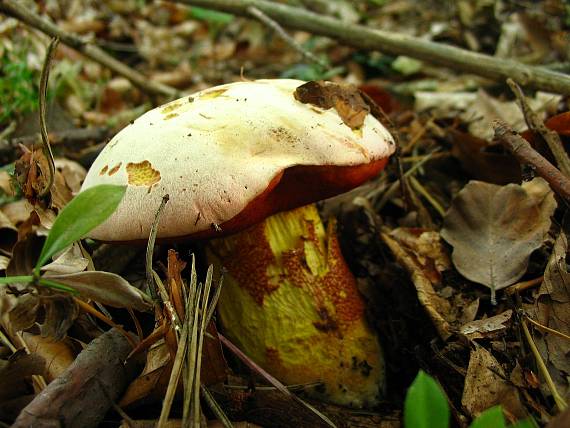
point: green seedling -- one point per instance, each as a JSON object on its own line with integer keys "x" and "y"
{"x": 426, "y": 407}
{"x": 85, "y": 212}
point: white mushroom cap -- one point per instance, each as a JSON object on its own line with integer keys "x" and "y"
{"x": 217, "y": 150}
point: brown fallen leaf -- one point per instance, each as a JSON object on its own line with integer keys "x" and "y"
{"x": 494, "y": 229}
{"x": 487, "y": 328}
{"x": 480, "y": 158}
{"x": 485, "y": 386}
{"x": 346, "y": 99}
{"x": 433, "y": 304}
{"x": 552, "y": 309}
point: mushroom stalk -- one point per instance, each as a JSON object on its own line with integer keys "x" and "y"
{"x": 292, "y": 305}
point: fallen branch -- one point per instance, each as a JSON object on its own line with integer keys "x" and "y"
{"x": 21, "y": 13}
{"x": 363, "y": 37}
{"x": 536, "y": 125}
{"x": 526, "y": 155}
{"x": 84, "y": 392}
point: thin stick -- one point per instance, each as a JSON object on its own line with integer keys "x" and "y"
{"x": 524, "y": 285}
{"x": 366, "y": 38}
{"x": 558, "y": 399}
{"x": 535, "y": 123}
{"x": 547, "y": 329}
{"x": 21, "y": 13}
{"x": 44, "y": 79}
{"x": 525, "y": 154}
{"x": 424, "y": 192}
{"x": 92, "y": 311}
{"x": 4, "y": 339}
{"x": 258, "y": 14}
{"x": 272, "y": 380}
{"x": 150, "y": 249}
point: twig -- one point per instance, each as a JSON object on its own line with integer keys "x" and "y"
{"x": 546, "y": 329}
{"x": 44, "y": 79}
{"x": 272, "y": 380}
{"x": 150, "y": 249}
{"x": 525, "y": 154}
{"x": 20, "y": 12}
{"x": 83, "y": 393}
{"x": 424, "y": 192}
{"x": 397, "y": 44}
{"x": 524, "y": 285}
{"x": 558, "y": 399}
{"x": 94, "y": 312}
{"x": 536, "y": 125}
{"x": 258, "y": 14}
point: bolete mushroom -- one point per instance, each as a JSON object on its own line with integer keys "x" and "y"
{"x": 230, "y": 157}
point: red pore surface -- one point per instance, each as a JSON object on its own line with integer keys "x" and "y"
{"x": 295, "y": 187}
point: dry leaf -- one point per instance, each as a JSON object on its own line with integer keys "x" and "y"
{"x": 494, "y": 229}
{"x": 480, "y": 109}
{"x": 552, "y": 309}
{"x": 485, "y": 386}
{"x": 434, "y": 305}
{"x": 70, "y": 261}
{"x": 487, "y": 328}
{"x": 346, "y": 99}
{"x": 105, "y": 287}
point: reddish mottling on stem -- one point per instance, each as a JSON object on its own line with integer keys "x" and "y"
{"x": 250, "y": 271}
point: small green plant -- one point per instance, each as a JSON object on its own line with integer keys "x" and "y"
{"x": 18, "y": 89}
{"x": 85, "y": 212}
{"x": 426, "y": 407}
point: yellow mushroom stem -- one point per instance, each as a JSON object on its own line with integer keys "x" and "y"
{"x": 291, "y": 304}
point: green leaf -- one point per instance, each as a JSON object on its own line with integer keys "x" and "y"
{"x": 490, "y": 418}
{"x": 14, "y": 279}
{"x": 426, "y": 405}
{"x": 85, "y": 212}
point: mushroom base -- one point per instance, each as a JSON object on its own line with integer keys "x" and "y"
{"x": 291, "y": 304}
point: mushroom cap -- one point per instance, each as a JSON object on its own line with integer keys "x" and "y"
{"x": 230, "y": 156}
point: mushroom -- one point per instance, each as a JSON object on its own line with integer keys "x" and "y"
{"x": 232, "y": 157}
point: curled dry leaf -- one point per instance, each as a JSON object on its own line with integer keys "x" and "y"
{"x": 105, "y": 287}
{"x": 494, "y": 229}
{"x": 69, "y": 261}
{"x": 422, "y": 275}
{"x": 485, "y": 386}
{"x": 346, "y": 99}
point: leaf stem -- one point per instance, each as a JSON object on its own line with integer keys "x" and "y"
{"x": 11, "y": 279}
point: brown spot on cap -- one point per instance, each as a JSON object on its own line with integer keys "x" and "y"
{"x": 104, "y": 170}
{"x": 115, "y": 169}
{"x": 142, "y": 174}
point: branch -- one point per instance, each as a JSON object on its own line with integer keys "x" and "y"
{"x": 526, "y": 155}
{"x": 21, "y": 13}
{"x": 362, "y": 37}
{"x": 83, "y": 393}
